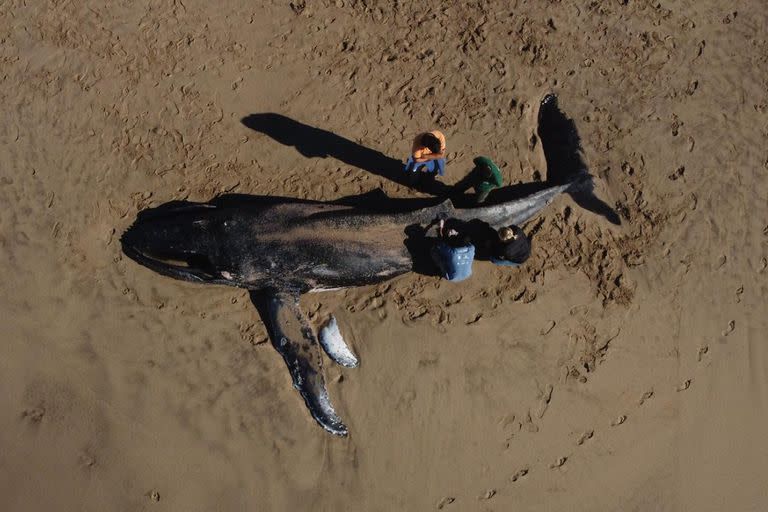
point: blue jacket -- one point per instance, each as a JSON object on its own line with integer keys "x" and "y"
{"x": 455, "y": 263}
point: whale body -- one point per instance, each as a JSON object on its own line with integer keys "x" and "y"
{"x": 281, "y": 248}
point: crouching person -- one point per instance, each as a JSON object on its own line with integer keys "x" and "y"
{"x": 511, "y": 247}
{"x": 453, "y": 253}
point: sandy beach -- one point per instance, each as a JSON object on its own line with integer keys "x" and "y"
{"x": 624, "y": 367}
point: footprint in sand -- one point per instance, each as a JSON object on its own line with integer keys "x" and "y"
{"x": 529, "y": 296}
{"x": 445, "y": 501}
{"x": 34, "y": 415}
{"x": 86, "y": 460}
{"x": 720, "y": 261}
{"x": 700, "y": 48}
{"x": 685, "y": 385}
{"x": 558, "y": 463}
{"x": 678, "y": 173}
{"x": 728, "y": 330}
{"x": 529, "y": 425}
{"x": 474, "y": 319}
{"x": 490, "y": 493}
{"x": 520, "y": 474}
{"x": 581, "y": 309}
{"x": 545, "y": 396}
{"x": 739, "y": 291}
{"x": 618, "y": 421}
{"x": 153, "y": 496}
{"x": 646, "y": 396}
{"x": 694, "y": 201}
{"x": 547, "y": 328}
{"x": 702, "y": 352}
{"x": 584, "y": 437}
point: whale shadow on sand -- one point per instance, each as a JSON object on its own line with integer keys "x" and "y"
{"x": 564, "y": 155}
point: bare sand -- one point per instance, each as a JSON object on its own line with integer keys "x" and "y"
{"x": 623, "y": 368}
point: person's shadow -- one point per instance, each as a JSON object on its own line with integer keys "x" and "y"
{"x": 318, "y": 143}
{"x": 558, "y": 135}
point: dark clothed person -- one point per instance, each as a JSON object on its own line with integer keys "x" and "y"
{"x": 511, "y": 247}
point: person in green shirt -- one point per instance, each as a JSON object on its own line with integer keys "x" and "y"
{"x": 484, "y": 177}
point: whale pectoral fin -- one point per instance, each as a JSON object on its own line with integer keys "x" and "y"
{"x": 334, "y": 345}
{"x": 292, "y": 336}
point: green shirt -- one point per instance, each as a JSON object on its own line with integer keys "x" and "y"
{"x": 495, "y": 181}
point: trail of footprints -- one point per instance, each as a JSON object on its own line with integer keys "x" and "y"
{"x": 524, "y": 471}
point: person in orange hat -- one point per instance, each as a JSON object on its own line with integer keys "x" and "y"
{"x": 427, "y": 156}
{"x": 428, "y": 146}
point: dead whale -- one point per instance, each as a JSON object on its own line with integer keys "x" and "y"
{"x": 280, "y": 249}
